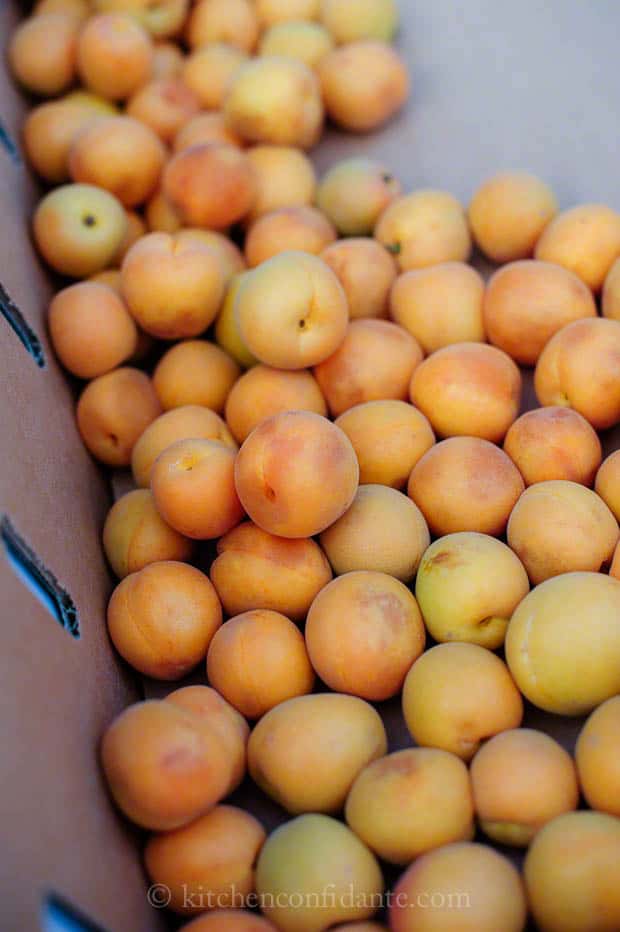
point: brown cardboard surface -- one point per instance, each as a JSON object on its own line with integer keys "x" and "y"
{"x": 496, "y": 84}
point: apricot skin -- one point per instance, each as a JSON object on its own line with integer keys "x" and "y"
{"x": 363, "y": 632}
{"x": 112, "y": 413}
{"x": 607, "y": 484}
{"x": 366, "y": 271}
{"x": 367, "y": 19}
{"x": 48, "y": 132}
{"x": 424, "y": 228}
{"x": 353, "y": 193}
{"x": 328, "y": 735}
{"x": 195, "y": 372}
{"x": 585, "y": 240}
{"x": 554, "y": 443}
{"x": 610, "y": 299}
{"x": 42, "y": 53}
{"x": 309, "y": 42}
{"x": 284, "y": 177}
{"x": 229, "y": 920}
{"x": 208, "y": 70}
{"x": 134, "y": 535}
{"x": 231, "y": 21}
{"x": 204, "y": 129}
{"x": 164, "y": 104}
{"x": 255, "y": 569}
{"x": 597, "y": 758}
{"x": 114, "y": 55}
{"x": 284, "y": 468}
{"x": 304, "y": 229}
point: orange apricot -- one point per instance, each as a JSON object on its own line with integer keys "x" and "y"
{"x": 135, "y": 229}
{"x": 366, "y": 271}
{"x": 168, "y": 60}
{"x": 597, "y": 758}
{"x": 610, "y": 298}
{"x": 585, "y": 240}
{"x": 114, "y": 55}
{"x": 164, "y": 104}
{"x": 226, "y": 330}
{"x": 48, "y": 132}
{"x": 607, "y": 483}
{"x": 309, "y": 42}
{"x": 270, "y": 12}
{"x": 160, "y": 18}
{"x": 160, "y": 215}
{"x": 284, "y": 177}
{"x": 42, "y": 52}
{"x": 301, "y": 228}
{"x": 354, "y": 193}
{"x": 230, "y": 21}
{"x": 554, "y": 443}
{"x": 203, "y": 129}
{"x": 424, "y": 228}
{"x": 366, "y": 19}
{"x": 195, "y": 372}
{"x": 229, "y": 920}
{"x": 208, "y": 70}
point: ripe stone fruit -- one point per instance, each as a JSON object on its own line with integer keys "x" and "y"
{"x": 308, "y": 42}
{"x": 571, "y": 874}
{"x": 366, "y": 19}
{"x": 296, "y": 474}
{"x": 159, "y": 17}
{"x": 304, "y": 229}
{"x": 227, "y": 329}
{"x": 279, "y": 11}
{"x": 382, "y": 531}
{"x": 229, "y": 920}
{"x": 210, "y": 860}
{"x": 468, "y": 585}
{"x": 423, "y": 229}
{"x": 208, "y": 70}
{"x": 91, "y": 330}
{"x": 193, "y": 488}
{"x": 165, "y": 766}
{"x": 313, "y": 872}
{"x": 230, "y": 21}
{"x": 255, "y": 569}
{"x": 410, "y": 802}
{"x": 229, "y": 255}
{"x": 558, "y": 527}
{"x": 326, "y": 735}
{"x": 172, "y": 289}
{"x": 366, "y": 271}
{"x": 113, "y": 411}
{"x": 363, "y": 632}
{"x": 135, "y": 535}
{"x": 162, "y": 618}
{"x": 610, "y": 299}
{"x": 114, "y": 55}
{"x": 554, "y": 443}
{"x": 585, "y": 240}
{"x": 49, "y": 130}
{"x": 284, "y": 177}
{"x": 42, "y": 52}
{"x": 78, "y": 229}
{"x": 257, "y": 660}
{"x": 563, "y": 643}
{"x": 521, "y": 779}
{"x": 465, "y": 887}
{"x": 164, "y": 104}
{"x": 607, "y": 483}
{"x": 195, "y": 372}
{"x": 291, "y": 311}
{"x": 458, "y": 695}
{"x": 597, "y": 755}
{"x": 354, "y": 193}
{"x": 468, "y": 389}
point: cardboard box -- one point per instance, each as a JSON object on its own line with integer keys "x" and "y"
{"x": 496, "y": 85}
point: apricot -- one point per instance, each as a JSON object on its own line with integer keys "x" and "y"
{"x": 275, "y": 100}
{"x": 468, "y": 585}
{"x": 364, "y": 84}
{"x": 164, "y": 766}
{"x": 48, "y": 132}
{"x": 468, "y": 389}
{"x": 610, "y": 298}
{"x": 283, "y": 176}
{"x": 262, "y": 392}
{"x": 226, "y": 328}
{"x": 304, "y": 229}
{"x": 457, "y": 695}
{"x": 172, "y": 289}
{"x": 189, "y": 421}
{"x": 424, "y": 229}
{"x": 292, "y": 311}
{"x": 195, "y": 372}
{"x": 111, "y": 278}
{"x": 508, "y": 214}
{"x": 389, "y": 437}
{"x": 209, "y": 185}
{"x": 90, "y": 329}
{"x": 366, "y": 271}
{"x": 193, "y": 487}
{"x": 162, "y": 618}
{"x": 560, "y": 527}
{"x": 208, "y": 70}
{"x": 229, "y": 920}
{"x": 229, "y": 255}
{"x": 113, "y": 411}
{"x": 309, "y": 42}
{"x": 585, "y": 240}
{"x": 313, "y": 872}
{"x": 460, "y": 887}
{"x": 78, "y": 8}
{"x": 42, "y": 52}
{"x": 114, "y": 55}
{"x": 135, "y": 230}
{"x": 164, "y": 104}
{"x": 521, "y": 779}
{"x": 257, "y": 660}
{"x": 527, "y": 302}
{"x": 160, "y": 18}
{"x": 440, "y": 305}
{"x": 382, "y": 531}
{"x": 554, "y": 443}
{"x": 120, "y": 155}
{"x": 563, "y": 643}
{"x": 607, "y": 484}
{"x": 160, "y": 215}
{"x": 571, "y": 874}
{"x": 326, "y": 736}
{"x": 134, "y": 535}
{"x": 168, "y": 60}
{"x": 233, "y": 22}
{"x": 598, "y": 759}
{"x": 410, "y": 802}
{"x": 363, "y": 632}
{"x": 614, "y": 569}
{"x": 354, "y": 193}
{"x": 221, "y": 717}
{"x": 270, "y": 12}
{"x": 204, "y": 129}
{"x": 580, "y": 368}
{"x": 210, "y": 862}
{"x": 375, "y": 361}
{"x": 296, "y": 474}
{"x": 465, "y": 484}
{"x": 254, "y": 569}
{"x": 78, "y": 229}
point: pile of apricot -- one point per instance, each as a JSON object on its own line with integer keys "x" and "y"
{"x": 312, "y": 377}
